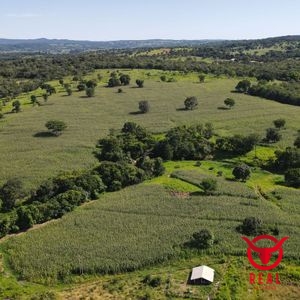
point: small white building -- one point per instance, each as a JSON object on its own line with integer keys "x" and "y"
{"x": 202, "y": 275}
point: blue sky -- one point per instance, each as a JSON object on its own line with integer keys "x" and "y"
{"x": 141, "y": 19}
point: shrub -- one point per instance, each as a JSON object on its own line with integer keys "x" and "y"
{"x": 252, "y": 226}
{"x": 241, "y": 172}
{"x": 208, "y": 185}
{"x": 202, "y": 239}
{"x": 273, "y": 135}
{"x": 279, "y": 123}
{"x": 229, "y": 102}
{"x": 90, "y": 92}
{"x": 144, "y": 106}
{"x": 56, "y": 126}
{"x": 190, "y": 103}
{"x": 140, "y": 83}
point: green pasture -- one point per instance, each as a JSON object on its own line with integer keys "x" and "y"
{"x": 27, "y": 152}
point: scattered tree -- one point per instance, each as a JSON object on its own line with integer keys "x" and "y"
{"x": 56, "y": 126}
{"x": 33, "y": 99}
{"x": 120, "y": 90}
{"x": 279, "y": 123}
{"x": 201, "y": 78}
{"x": 243, "y": 86}
{"x": 91, "y": 83}
{"x": 81, "y": 87}
{"x": 273, "y": 135}
{"x": 125, "y": 79}
{"x": 90, "y": 92}
{"x": 251, "y": 226}
{"x": 202, "y": 239}
{"x": 229, "y": 102}
{"x": 241, "y": 172}
{"x": 16, "y": 106}
{"x": 144, "y": 106}
{"x": 190, "y": 103}
{"x": 140, "y": 83}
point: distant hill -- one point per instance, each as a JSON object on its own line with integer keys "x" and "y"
{"x": 67, "y": 46}
{"x": 63, "y": 45}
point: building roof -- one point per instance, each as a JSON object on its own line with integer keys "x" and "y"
{"x": 204, "y": 272}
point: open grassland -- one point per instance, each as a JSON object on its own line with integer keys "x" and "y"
{"x": 27, "y": 153}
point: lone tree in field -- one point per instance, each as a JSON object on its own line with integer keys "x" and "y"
{"x": 140, "y": 83}
{"x": 243, "y": 86}
{"x": 251, "y": 226}
{"x": 279, "y": 123}
{"x": 144, "y": 106}
{"x": 201, "y": 78}
{"x": 125, "y": 79}
{"x": 229, "y": 102}
{"x": 241, "y": 172}
{"x": 273, "y": 135}
{"x": 56, "y": 127}
{"x": 34, "y": 100}
{"x": 190, "y": 103}
{"x": 16, "y": 106}
{"x": 202, "y": 239}
{"x": 90, "y": 92}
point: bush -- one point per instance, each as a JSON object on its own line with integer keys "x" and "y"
{"x": 202, "y": 239}
{"x": 241, "y": 172}
{"x": 190, "y": 103}
{"x": 81, "y": 87}
{"x": 229, "y": 102}
{"x": 144, "y": 106}
{"x": 252, "y": 226}
{"x": 273, "y": 135}
{"x": 279, "y": 123}
{"x": 90, "y": 92}
{"x": 140, "y": 83}
{"x": 208, "y": 185}
{"x": 56, "y": 126}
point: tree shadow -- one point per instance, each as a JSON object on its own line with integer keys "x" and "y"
{"x": 136, "y": 113}
{"x": 181, "y": 109}
{"x": 223, "y": 108}
{"x": 44, "y": 134}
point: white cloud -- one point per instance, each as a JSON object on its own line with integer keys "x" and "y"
{"x": 23, "y": 15}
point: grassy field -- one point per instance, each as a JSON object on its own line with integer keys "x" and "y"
{"x": 32, "y": 157}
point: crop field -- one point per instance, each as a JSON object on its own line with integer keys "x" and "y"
{"x": 121, "y": 231}
{"x": 28, "y": 153}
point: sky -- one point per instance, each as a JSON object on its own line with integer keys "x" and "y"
{"x": 105, "y": 20}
